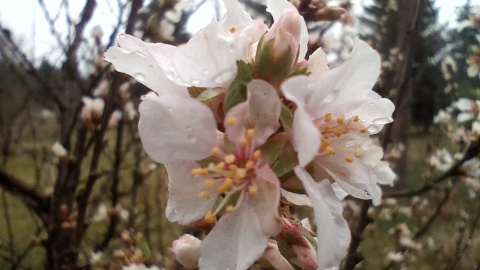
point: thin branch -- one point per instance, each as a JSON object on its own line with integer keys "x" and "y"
{"x": 434, "y": 216}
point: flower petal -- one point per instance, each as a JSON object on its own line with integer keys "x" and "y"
{"x": 306, "y": 137}
{"x": 184, "y": 205}
{"x": 317, "y": 62}
{"x": 333, "y": 234}
{"x": 261, "y": 114}
{"x": 144, "y": 62}
{"x": 297, "y": 199}
{"x": 176, "y": 128}
{"x": 375, "y": 111}
{"x": 209, "y": 58}
{"x": 236, "y": 242}
{"x": 266, "y": 203}
{"x": 235, "y": 16}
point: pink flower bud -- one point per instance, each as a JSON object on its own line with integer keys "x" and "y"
{"x": 187, "y": 251}
{"x": 285, "y": 32}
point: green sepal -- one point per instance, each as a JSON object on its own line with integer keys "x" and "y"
{"x": 296, "y": 71}
{"x": 286, "y": 118}
{"x": 237, "y": 91}
{"x": 271, "y": 69}
{"x": 287, "y": 160}
{"x": 273, "y": 147}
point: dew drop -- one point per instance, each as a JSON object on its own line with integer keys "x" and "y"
{"x": 206, "y": 72}
{"x": 170, "y": 75}
{"x": 139, "y": 77}
{"x": 195, "y": 82}
{"x": 373, "y": 129}
{"x": 122, "y": 36}
{"x": 350, "y": 143}
{"x": 383, "y": 121}
{"x": 372, "y": 103}
{"x": 330, "y": 97}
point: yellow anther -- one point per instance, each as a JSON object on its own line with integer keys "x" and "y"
{"x": 209, "y": 183}
{"x": 229, "y": 158}
{"x": 326, "y": 128}
{"x": 250, "y": 133}
{"x": 199, "y": 171}
{"x": 241, "y": 173}
{"x": 228, "y": 184}
{"x": 209, "y": 217}
{"x": 253, "y": 190}
{"x": 220, "y": 165}
{"x": 221, "y": 189}
{"x": 328, "y": 117}
{"x": 233, "y": 29}
{"x": 349, "y": 159}
{"x": 249, "y": 164}
{"x": 245, "y": 142}
{"x": 356, "y": 118}
{"x": 329, "y": 150}
{"x": 233, "y": 167}
{"x": 340, "y": 120}
{"x": 338, "y": 133}
{"x": 215, "y": 151}
{"x": 257, "y": 154}
{"x": 203, "y": 194}
{"x": 319, "y": 126}
{"x": 232, "y": 121}
{"x": 229, "y": 208}
{"x": 237, "y": 181}
{"x": 363, "y": 130}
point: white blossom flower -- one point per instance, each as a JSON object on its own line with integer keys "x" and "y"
{"x": 58, "y": 150}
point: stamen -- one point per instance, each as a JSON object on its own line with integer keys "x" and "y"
{"x": 250, "y": 133}
{"x": 337, "y": 133}
{"x": 233, "y": 29}
{"x": 220, "y": 165}
{"x": 328, "y": 117}
{"x": 241, "y": 173}
{"x": 209, "y": 217}
{"x": 228, "y": 184}
{"x": 253, "y": 190}
{"x": 356, "y": 118}
{"x": 203, "y": 195}
{"x": 233, "y": 167}
{"x": 250, "y": 164}
{"x": 209, "y": 183}
{"x": 215, "y": 151}
{"x": 232, "y": 121}
{"x": 329, "y": 150}
{"x": 363, "y": 130}
{"x": 340, "y": 120}
{"x": 200, "y": 171}
{"x": 257, "y": 154}
{"x": 349, "y": 159}
{"x": 245, "y": 142}
{"x": 229, "y": 158}
{"x": 229, "y": 208}
{"x": 326, "y": 128}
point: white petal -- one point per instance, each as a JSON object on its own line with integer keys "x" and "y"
{"x": 143, "y": 62}
{"x": 384, "y": 173}
{"x": 176, "y": 128}
{"x": 235, "y": 16}
{"x": 262, "y": 113}
{"x": 208, "y": 59}
{"x": 184, "y": 206}
{"x": 297, "y": 199}
{"x": 235, "y": 243}
{"x": 375, "y": 111}
{"x": 464, "y": 117}
{"x": 317, "y": 62}
{"x": 333, "y": 234}
{"x": 306, "y": 137}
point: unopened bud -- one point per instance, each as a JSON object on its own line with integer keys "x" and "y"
{"x": 187, "y": 251}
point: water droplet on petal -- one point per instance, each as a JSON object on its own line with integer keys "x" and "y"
{"x": 170, "y": 75}
{"x": 331, "y": 96}
{"x": 372, "y": 103}
{"x": 350, "y": 143}
{"x": 206, "y": 72}
{"x": 139, "y": 77}
{"x": 122, "y": 36}
{"x": 373, "y": 129}
{"x": 195, "y": 82}
{"x": 383, "y": 121}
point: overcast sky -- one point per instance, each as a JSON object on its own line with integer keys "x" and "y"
{"x": 27, "y": 21}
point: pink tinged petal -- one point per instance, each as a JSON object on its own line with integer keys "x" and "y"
{"x": 317, "y": 62}
{"x": 333, "y": 234}
{"x": 306, "y": 137}
{"x": 276, "y": 259}
{"x": 297, "y": 199}
{"x": 236, "y": 242}
{"x": 266, "y": 203}
{"x": 176, "y": 128}
{"x": 135, "y": 58}
{"x": 298, "y": 89}
{"x": 208, "y": 59}
{"x": 184, "y": 205}
{"x": 276, "y": 7}
{"x": 260, "y": 112}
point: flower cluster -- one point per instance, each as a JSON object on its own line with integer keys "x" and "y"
{"x": 244, "y": 126}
